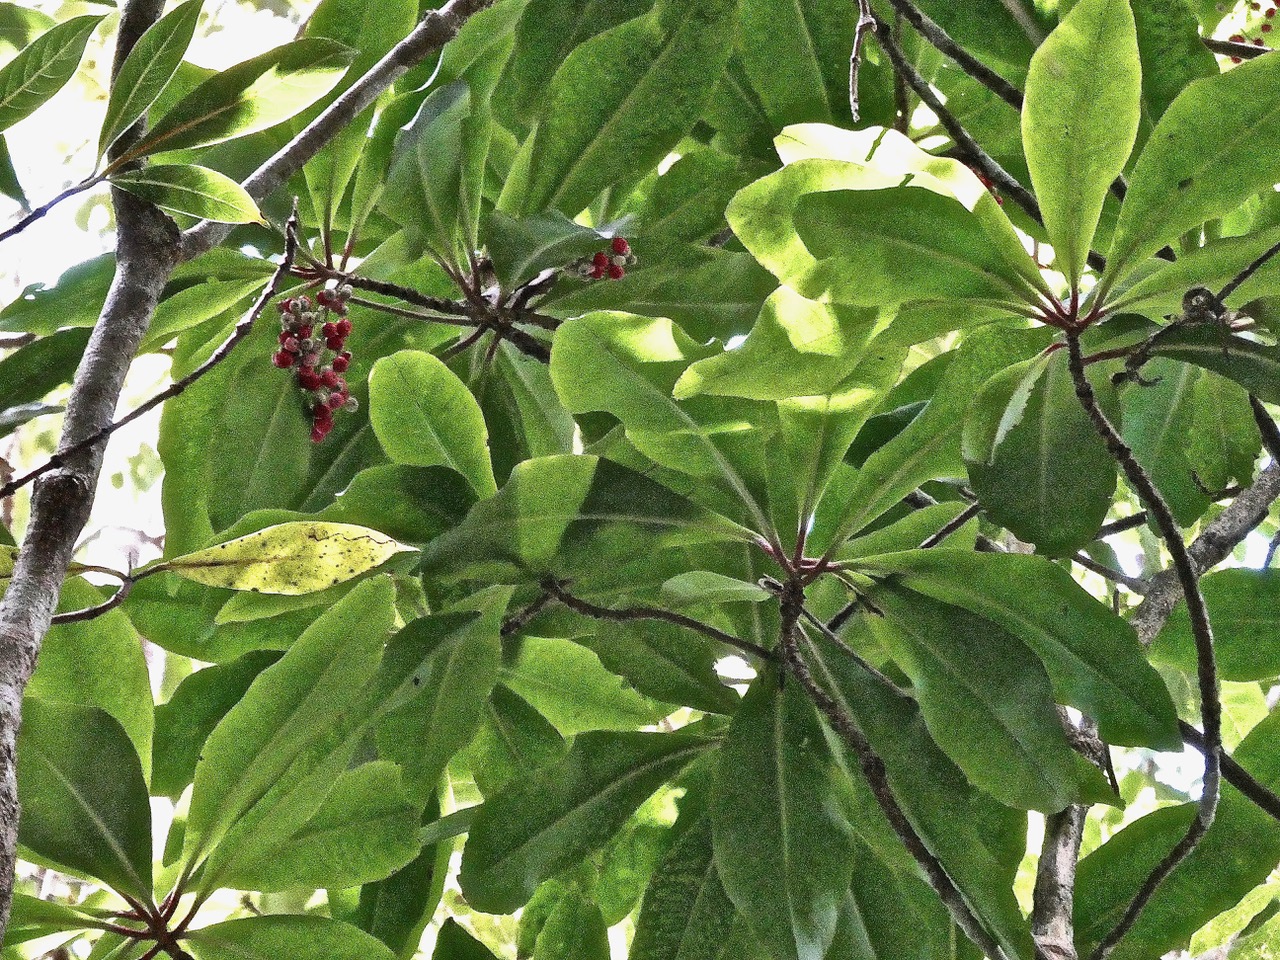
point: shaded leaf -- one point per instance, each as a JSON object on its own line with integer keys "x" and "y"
{"x": 191, "y": 190}
{"x": 297, "y": 937}
{"x": 42, "y": 68}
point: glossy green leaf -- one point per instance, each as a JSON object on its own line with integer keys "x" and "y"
{"x": 534, "y": 828}
{"x": 1079, "y": 122}
{"x": 288, "y": 707}
{"x": 83, "y": 795}
{"x": 618, "y": 103}
{"x": 426, "y": 417}
{"x": 687, "y": 203}
{"x": 184, "y": 723}
{"x": 282, "y": 935}
{"x": 563, "y": 506}
{"x": 686, "y": 913}
{"x": 1253, "y": 365}
{"x": 523, "y": 247}
{"x": 1092, "y": 656}
{"x": 575, "y": 930}
{"x": 454, "y": 943}
{"x": 1243, "y": 604}
{"x": 567, "y": 683}
{"x": 42, "y": 68}
{"x": 706, "y": 586}
{"x": 1035, "y": 459}
{"x": 193, "y": 191}
{"x": 1214, "y": 148}
{"x": 458, "y": 672}
{"x": 1172, "y": 56}
{"x": 978, "y": 841}
{"x": 19, "y": 25}
{"x": 147, "y": 70}
{"x": 365, "y": 830}
{"x": 781, "y": 851}
{"x": 412, "y": 504}
{"x": 985, "y": 698}
{"x": 250, "y": 96}
{"x": 288, "y": 558}
{"x": 797, "y": 348}
{"x": 31, "y": 918}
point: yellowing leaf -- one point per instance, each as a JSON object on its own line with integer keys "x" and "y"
{"x": 289, "y": 558}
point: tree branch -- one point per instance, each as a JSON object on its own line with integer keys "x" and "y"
{"x": 1206, "y": 666}
{"x": 866, "y": 22}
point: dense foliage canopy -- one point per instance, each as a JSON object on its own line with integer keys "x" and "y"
{"x": 632, "y": 488}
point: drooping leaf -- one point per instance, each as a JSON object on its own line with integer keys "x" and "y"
{"x": 283, "y": 935}
{"x": 288, "y": 558}
{"x": 83, "y": 795}
{"x": 191, "y": 190}
{"x": 1092, "y": 656}
{"x": 250, "y": 96}
{"x": 42, "y": 68}
{"x": 1253, "y": 365}
{"x": 425, "y": 416}
{"x": 619, "y": 103}
{"x": 147, "y": 70}
{"x": 1035, "y": 459}
{"x": 1079, "y": 122}
{"x": 1214, "y": 148}
{"x": 780, "y": 850}
{"x": 986, "y": 699}
{"x": 532, "y": 829}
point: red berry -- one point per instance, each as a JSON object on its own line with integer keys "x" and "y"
{"x": 340, "y": 364}
{"x": 302, "y": 304}
{"x": 1266, "y": 28}
{"x": 337, "y": 401}
{"x": 620, "y": 246}
{"x": 1271, "y": 13}
{"x": 616, "y": 272}
{"x": 600, "y": 260}
{"x": 285, "y": 305}
{"x": 1237, "y": 38}
{"x": 324, "y": 298}
{"x": 290, "y": 344}
{"x": 284, "y": 335}
{"x": 1235, "y": 60}
{"x": 329, "y": 378}
{"x": 330, "y": 329}
{"x": 323, "y": 417}
{"x": 596, "y": 273}
{"x": 335, "y": 343}
{"x": 304, "y": 331}
{"x": 344, "y": 327}
{"x": 283, "y": 359}
{"x": 317, "y": 435}
{"x": 308, "y": 379}
{"x": 1257, "y": 41}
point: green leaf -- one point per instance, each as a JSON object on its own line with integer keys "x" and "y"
{"x": 412, "y": 504}
{"x": 797, "y": 348}
{"x": 147, "y": 70}
{"x": 1079, "y": 122}
{"x": 1254, "y": 366}
{"x": 454, "y": 943}
{"x": 1092, "y": 656}
{"x": 437, "y": 172}
{"x": 618, "y": 104}
{"x": 1035, "y": 459}
{"x": 575, "y": 930}
{"x": 184, "y": 723}
{"x": 193, "y": 191}
{"x": 42, "y": 68}
{"x": 986, "y": 699}
{"x": 978, "y": 841}
{"x": 1172, "y": 53}
{"x": 426, "y": 417}
{"x": 364, "y": 831}
{"x": 534, "y": 828}
{"x": 289, "y": 558}
{"x": 521, "y": 248}
{"x": 686, "y": 913}
{"x": 396, "y": 910}
{"x": 98, "y": 663}
{"x": 10, "y": 185}
{"x": 84, "y": 799}
{"x": 459, "y": 668}
{"x": 687, "y": 203}
{"x": 250, "y": 96}
{"x": 1217, "y": 145}
{"x": 1243, "y": 606}
{"x": 781, "y": 851}
{"x": 567, "y": 683}
{"x": 20, "y": 25}
{"x": 296, "y": 937}
{"x": 566, "y": 508}
{"x": 706, "y": 586}
{"x": 31, "y": 918}
{"x": 289, "y": 706}
{"x": 881, "y": 247}
{"x": 513, "y": 741}
{"x": 28, "y": 374}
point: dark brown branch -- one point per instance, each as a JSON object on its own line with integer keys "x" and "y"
{"x": 629, "y": 614}
{"x": 1248, "y": 272}
{"x": 1267, "y": 429}
{"x": 1229, "y": 48}
{"x": 1234, "y": 774}
{"x": 1120, "y": 526}
{"x": 1206, "y": 666}
{"x": 242, "y": 330}
{"x": 947, "y": 529}
{"x": 1132, "y": 584}
{"x": 518, "y": 621}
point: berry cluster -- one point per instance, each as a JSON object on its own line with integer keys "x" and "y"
{"x": 609, "y": 263}
{"x": 1264, "y": 27}
{"x": 319, "y": 359}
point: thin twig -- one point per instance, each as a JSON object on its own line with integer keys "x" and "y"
{"x": 967, "y": 62}
{"x": 1121, "y": 525}
{"x": 391, "y": 308}
{"x": 518, "y": 621}
{"x": 1234, "y": 774}
{"x": 1132, "y": 584}
{"x": 1206, "y": 666}
{"x": 45, "y": 207}
{"x": 947, "y": 529}
{"x": 553, "y": 587}
{"x": 242, "y": 330}
{"x": 826, "y": 630}
{"x": 866, "y": 21}
{"x": 1234, "y": 284}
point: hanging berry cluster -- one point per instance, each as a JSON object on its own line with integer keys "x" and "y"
{"x": 1265, "y": 26}
{"x": 611, "y": 263}
{"x": 318, "y": 357}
